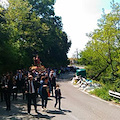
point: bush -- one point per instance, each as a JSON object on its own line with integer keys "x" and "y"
{"x": 102, "y": 93}
{"x": 116, "y": 86}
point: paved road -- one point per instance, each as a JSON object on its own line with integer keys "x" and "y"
{"x": 76, "y": 105}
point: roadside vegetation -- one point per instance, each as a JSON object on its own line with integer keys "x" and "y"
{"x": 101, "y": 55}
{"x": 103, "y": 92}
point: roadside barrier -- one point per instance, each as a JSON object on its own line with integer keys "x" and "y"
{"x": 114, "y": 94}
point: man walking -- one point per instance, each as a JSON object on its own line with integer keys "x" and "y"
{"x": 58, "y": 96}
{"x": 31, "y": 90}
{"x": 7, "y": 91}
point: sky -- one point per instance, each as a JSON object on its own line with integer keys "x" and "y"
{"x": 80, "y": 17}
{"x": 3, "y": 2}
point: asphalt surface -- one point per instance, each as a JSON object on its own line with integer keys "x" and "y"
{"x": 75, "y": 105}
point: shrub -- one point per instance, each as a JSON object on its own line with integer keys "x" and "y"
{"x": 116, "y": 86}
{"x": 102, "y": 93}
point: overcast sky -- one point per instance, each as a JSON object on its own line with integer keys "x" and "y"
{"x": 80, "y": 17}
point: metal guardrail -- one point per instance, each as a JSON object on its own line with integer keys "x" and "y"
{"x": 114, "y": 94}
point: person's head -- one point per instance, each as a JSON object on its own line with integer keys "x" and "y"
{"x": 51, "y": 74}
{"x": 33, "y": 58}
{"x": 52, "y": 71}
{"x": 57, "y": 85}
{"x": 9, "y": 77}
{"x": 46, "y": 74}
{"x": 30, "y": 77}
{"x": 42, "y": 78}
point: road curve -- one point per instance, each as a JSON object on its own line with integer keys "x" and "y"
{"x": 81, "y": 106}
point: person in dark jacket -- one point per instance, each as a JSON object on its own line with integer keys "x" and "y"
{"x": 19, "y": 83}
{"x": 58, "y": 96}
{"x": 24, "y": 81}
{"x": 45, "y": 93}
{"x": 52, "y": 80}
{"x": 7, "y": 91}
{"x": 2, "y": 80}
{"x": 31, "y": 91}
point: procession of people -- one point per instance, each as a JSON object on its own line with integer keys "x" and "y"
{"x": 32, "y": 83}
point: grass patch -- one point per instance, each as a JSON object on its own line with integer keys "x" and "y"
{"x": 102, "y": 93}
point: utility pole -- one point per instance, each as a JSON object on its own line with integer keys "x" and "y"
{"x": 77, "y": 53}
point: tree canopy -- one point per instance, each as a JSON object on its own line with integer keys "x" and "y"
{"x": 30, "y": 27}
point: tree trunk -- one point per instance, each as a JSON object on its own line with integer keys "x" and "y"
{"x": 100, "y": 73}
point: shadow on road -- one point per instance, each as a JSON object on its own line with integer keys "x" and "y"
{"x": 19, "y": 113}
{"x": 62, "y": 112}
{"x": 67, "y": 111}
{"x": 42, "y": 116}
{"x": 56, "y": 112}
{"x": 17, "y": 109}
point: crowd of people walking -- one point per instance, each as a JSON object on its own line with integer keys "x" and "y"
{"x": 32, "y": 84}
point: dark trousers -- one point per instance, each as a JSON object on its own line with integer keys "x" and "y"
{"x": 52, "y": 87}
{"x": 2, "y": 95}
{"x": 7, "y": 100}
{"x": 44, "y": 102}
{"x": 19, "y": 86}
{"x": 24, "y": 95}
{"x": 31, "y": 97}
{"x": 58, "y": 100}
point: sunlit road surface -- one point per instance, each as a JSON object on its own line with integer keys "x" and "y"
{"x": 81, "y": 106}
{"x": 75, "y": 105}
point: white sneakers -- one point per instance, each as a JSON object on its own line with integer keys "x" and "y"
{"x": 44, "y": 109}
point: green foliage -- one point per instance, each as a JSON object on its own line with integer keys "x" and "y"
{"x": 116, "y": 86}
{"x": 117, "y": 101}
{"x": 28, "y": 28}
{"x": 43, "y": 8}
{"x": 102, "y": 92}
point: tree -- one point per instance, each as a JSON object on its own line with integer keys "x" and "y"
{"x": 28, "y": 28}
{"x": 43, "y": 8}
{"x": 55, "y": 41}
{"x": 102, "y": 52}
{"x": 7, "y": 51}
